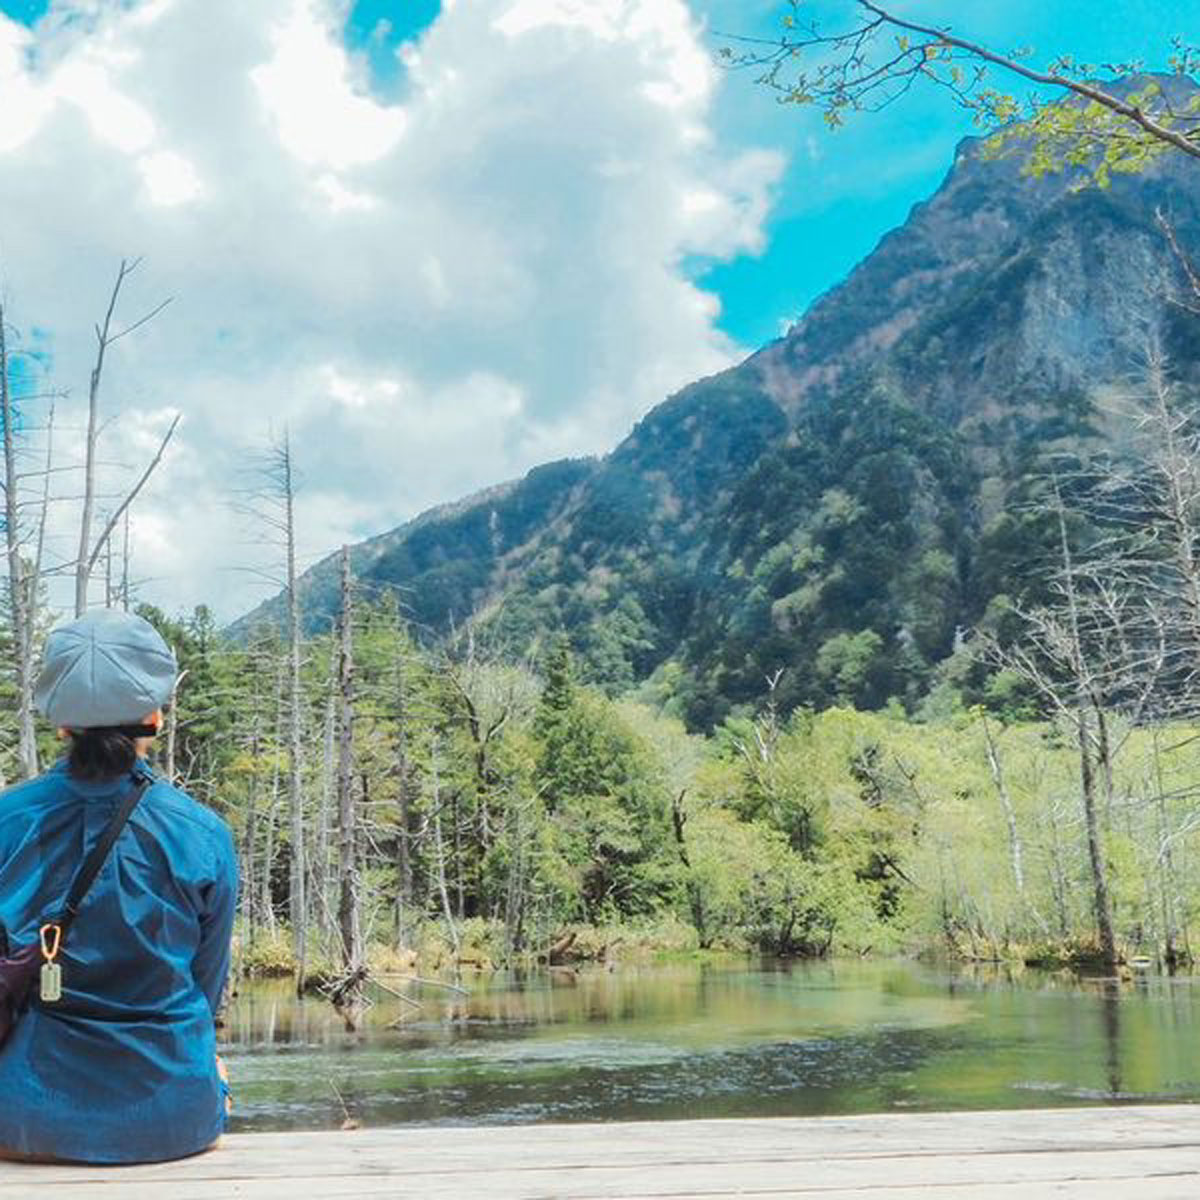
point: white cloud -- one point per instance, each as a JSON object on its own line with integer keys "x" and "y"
{"x": 170, "y": 178}
{"x": 112, "y": 115}
{"x": 305, "y": 87}
{"x": 25, "y": 105}
{"x": 429, "y": 297}
{"x": 341, "y": 198}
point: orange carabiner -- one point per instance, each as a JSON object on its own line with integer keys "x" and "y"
{"x": 50, "y": 953}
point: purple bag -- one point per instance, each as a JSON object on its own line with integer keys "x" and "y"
{"x": 18, "y": 973}
{"x": 21, "y": 968}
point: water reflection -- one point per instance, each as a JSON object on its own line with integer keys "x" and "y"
{"x": 703, "y": 1041}
{"x": 1110, "y": 1013}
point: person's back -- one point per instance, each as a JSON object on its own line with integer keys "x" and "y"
{"x": 121, "y": 1068}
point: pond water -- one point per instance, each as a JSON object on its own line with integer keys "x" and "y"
{"x": 711, "y": 1041}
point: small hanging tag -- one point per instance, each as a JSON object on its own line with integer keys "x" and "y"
{"x": 51, "y": 988}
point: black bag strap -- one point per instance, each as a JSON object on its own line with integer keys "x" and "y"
{"x": 87, "y": 873}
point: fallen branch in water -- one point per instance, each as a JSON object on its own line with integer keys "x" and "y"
{"x": 348, "y": 1122}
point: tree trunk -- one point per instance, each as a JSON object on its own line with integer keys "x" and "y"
{"x": 83, "y": 564}
{"x": 297, "y": 900}
{"x": 172, "y": 736}
{"x": 1166, "y": 885}
{"x": 694, "y": 893}
{"x": 324, "y": 819}
{"x": 515, "y": 898}
{"x": 173, "y": 728}
{"x": 1102, "y": 903}
{"x": 404, "y": 867}
{"x": 125, "y": 562}
{"x": 20, "y": 600}
{"x": 348, "y": 897}
{"x": 1058, "y": 879}
{"x": 440, "y": 851}
{"x": 1166, "y": 868}
{"x": 89, "y": 552}
{"x": 459, "y": 883}
{"x": 1010, "y": 816}
{"x": 268, "y": 904}
{"x": 248, "y": 841}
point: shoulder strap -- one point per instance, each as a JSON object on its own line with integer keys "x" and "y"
{"x": 99, "y": 852}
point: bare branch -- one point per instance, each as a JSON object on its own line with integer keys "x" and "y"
{"x": 116, "y": 337}
{"x": 102, "y": 540}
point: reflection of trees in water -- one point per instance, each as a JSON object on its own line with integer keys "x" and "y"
{"x": 685, "y": 1041}
{"x": 1110, "y": 1017}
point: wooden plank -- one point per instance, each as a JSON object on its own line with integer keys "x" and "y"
{"x": 1143, "y": 1152}
{"x": 674, "y": 1181}
{"x": 818, "y": 1139}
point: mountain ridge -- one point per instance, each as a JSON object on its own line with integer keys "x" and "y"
{"x": 739, "y": 527}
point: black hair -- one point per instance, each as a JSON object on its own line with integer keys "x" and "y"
{"x": 106, "y": 752}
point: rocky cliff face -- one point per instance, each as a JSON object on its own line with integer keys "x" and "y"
{"x": 837, "y": 504}
{"x": 998, "y": 284}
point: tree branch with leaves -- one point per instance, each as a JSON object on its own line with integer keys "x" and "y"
{"x": 1079, "y": 114}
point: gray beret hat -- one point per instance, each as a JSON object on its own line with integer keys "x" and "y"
{"x": 104, "y": 668}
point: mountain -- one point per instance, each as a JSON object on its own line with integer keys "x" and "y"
{"x": 840, "y": 504}
{"x": 444, "y": 560}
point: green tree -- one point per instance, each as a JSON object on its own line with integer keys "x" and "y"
{"x": 559, "y": 692}
{"x": 609, "y": 805}
{"x": 1092, "y": 119}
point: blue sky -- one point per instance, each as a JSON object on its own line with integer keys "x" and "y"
{"x": 380, "y": 26}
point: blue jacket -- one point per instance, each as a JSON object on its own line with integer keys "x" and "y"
{"x": 123, "y": 1067}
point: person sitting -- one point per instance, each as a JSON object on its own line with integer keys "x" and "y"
{"x": 118, "y": 1065}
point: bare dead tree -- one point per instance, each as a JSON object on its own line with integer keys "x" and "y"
{"x": 349, "y": 922}
{"x": 34, "y": 577}
{"x": 249, "y": 851}
{"x": 405, "y": 792}
{"x": 173, "y": 728}
{"x": 521, "y": 869}
{"x": 24, "y": 568}
{"x": 1156, "y": 493}
{"x": 320, "y": 865}
{"x": 106, "y": 336}
{"x": 1152, "y": 497}
{"x": 1174, "y": 937}
{"x": 439, "y": 846}
{"x": 1184, "y": 260}
{"x": 1100, "y": 649}
{"x": 19, "y": 598}
{"x": 1015, "y": 849}
{"x": 297, "y": 902}
{"x": 268, "y": 502}
{"x": 267, "y": 905}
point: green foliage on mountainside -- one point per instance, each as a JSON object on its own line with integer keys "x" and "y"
{"x": 846, "y": 503}
{"x": 442, "y": 563}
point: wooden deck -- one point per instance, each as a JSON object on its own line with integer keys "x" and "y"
{"x": 1147, "y": 1153}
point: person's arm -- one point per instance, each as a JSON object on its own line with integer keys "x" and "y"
{"x": 211, "y": 963}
